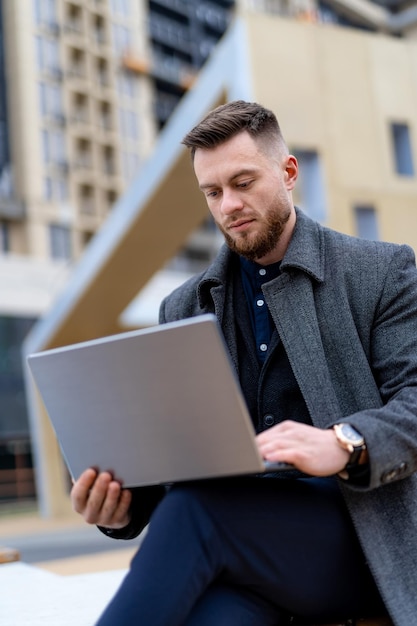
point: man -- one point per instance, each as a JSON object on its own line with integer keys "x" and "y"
{"x": 322, "y": 329}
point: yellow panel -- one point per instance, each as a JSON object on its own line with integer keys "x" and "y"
{"x": 158, "y": 232}
{"x": 286, "y": 76}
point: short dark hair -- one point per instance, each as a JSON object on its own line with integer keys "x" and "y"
{"x": 230, "y": 119}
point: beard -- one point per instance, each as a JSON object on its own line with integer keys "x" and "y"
{"x": 256, "y": 246}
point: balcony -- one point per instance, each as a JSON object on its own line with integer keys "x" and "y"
{"x": 80, "y": 117}
{"x": 77, "y": 72}
{"x": 11, "y": 209}
{"x": 87, "y": 206}
{"x": 51, "y": 27}
{"x": 169, "y": 34}
{"x": 177, "y": 6}
{"x": 163, "y": 67}
{"x": 83, "y": 162}
{"x": 74, "y": 27}
{"x": 391, "y": 4}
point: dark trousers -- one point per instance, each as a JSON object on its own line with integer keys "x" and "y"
{"x": 246, "y": 552}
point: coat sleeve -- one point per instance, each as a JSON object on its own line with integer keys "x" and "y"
{"x": 391, "y": 430}
{"x": 144, "y": 502}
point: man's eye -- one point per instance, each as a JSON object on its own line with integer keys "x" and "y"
{"x": 211, "y": 194}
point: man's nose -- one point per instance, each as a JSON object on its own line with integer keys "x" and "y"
{"x": 231, "y": 202}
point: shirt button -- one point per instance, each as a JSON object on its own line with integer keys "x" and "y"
{"x": 262, "y": 271}
{"x": 260, "y": 302}
{"x": 269, "y": 420}
{"x": 263, "y": 347}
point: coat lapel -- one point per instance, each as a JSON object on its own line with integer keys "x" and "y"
{"x": 291, "y": 302}
{"x": 290, "y": 298}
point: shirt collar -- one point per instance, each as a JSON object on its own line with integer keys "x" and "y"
{"x": 259, "y": 274}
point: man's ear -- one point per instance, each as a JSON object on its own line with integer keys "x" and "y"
{"x": 291, "y": 171}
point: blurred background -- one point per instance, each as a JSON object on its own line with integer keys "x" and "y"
{"x": 99, "y": 220}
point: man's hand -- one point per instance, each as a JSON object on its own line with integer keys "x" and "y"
{"x": 101, "y": 500}
{"x": 311, "y": 450}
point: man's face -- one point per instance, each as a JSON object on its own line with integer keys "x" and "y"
{"x": 249, "y": 195}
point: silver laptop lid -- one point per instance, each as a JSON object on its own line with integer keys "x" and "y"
{"x": 156, "y": 405}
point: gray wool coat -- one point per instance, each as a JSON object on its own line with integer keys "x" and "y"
{"x": 346, "y": 312}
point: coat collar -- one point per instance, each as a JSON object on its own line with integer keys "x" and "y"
{"x": 306, "y": 248}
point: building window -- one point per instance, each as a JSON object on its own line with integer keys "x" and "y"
{"x": 87, "y": 200}
{"x": 130, "y": 165}
{"x": 120, "y": 7}
{"x": 126, "y": 84}
{"x": 60, "y": 241}
{"x": 311, "y": 185}
{"x": 110, "y": 198}
{"x": 48, "y": 192}
{"x": 77, "y": 65}
{"x": 47, "y": 53}
{"x": 4, "y": 142}
{"x": 53, "y": 146}
{"x": 4, "y": 237}
{"x": 128, "y": 122}
{"x": 50, "y": 100}
{"x": 403, "y": 155}
{"x": 122, "y": 40}
{"x": 366, "y": 223}
{"x": 61, "y": 189}
{"x": 16, "y": 473}
{"x": 104, "y": 116}
{"x": 55, "y": 189}
{"x": 45, "y": 12}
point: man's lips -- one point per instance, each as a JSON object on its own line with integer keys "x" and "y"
{"x": 239, "y": 225}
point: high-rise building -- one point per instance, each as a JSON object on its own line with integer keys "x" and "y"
{"x": 78, "y": 123}
{"x": 181, "y": 36}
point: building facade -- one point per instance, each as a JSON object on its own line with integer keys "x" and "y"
{"x": 79, "y": 124}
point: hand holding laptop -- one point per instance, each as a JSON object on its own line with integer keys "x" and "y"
{"x": 101, "y": 500}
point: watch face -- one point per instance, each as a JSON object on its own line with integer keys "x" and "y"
{"x": 351, "y": 434}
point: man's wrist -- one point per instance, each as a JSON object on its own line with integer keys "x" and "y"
{"x": 353, "y": 442}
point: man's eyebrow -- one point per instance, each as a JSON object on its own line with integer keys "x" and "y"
{"x": 207, "y": 186}
{"x": 243, "y": 172}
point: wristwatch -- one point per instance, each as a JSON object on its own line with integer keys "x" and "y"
{"x": 351, "y": 440}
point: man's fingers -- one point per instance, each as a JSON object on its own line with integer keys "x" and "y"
{"x": 98, "y": 496}
{"x": 114, "y": 511}
{"x": 121, "y": 516}
{"x": 108, "y": 503}
{"x": 81, "y": 489}
{"x": 101, "y": 500}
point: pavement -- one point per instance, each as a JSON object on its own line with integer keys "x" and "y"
{"x": 64, "y": 545}
{"x": 67, "y": 573}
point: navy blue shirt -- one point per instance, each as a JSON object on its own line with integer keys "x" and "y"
{"x": 253, "y": 277}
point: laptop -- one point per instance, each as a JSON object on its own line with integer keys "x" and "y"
{"x": 152, "y": 406}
